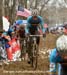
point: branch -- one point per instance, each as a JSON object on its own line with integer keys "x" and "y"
{"x": 36, "y": 2}
{"x": 46, "y": 1}
{"x": 42, "y": 6}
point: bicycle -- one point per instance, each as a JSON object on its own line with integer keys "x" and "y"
{"x": 23, "y": 48}
{"x": 34, "y": 50}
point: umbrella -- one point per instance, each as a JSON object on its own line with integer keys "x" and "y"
{"x": 19, "y": 22}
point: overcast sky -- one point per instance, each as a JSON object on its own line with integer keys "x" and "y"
{"x": 57, "y": 3}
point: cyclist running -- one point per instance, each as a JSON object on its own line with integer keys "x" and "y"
{"x": 58, "y": 60}
{"x": 21, "y": 31}
{"x": 54, "y": 59}
{"x": 34, "y": 22}
{"x": 21, "y": 36}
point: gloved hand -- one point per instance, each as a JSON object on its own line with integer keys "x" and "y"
{"x": 27, "y": 34}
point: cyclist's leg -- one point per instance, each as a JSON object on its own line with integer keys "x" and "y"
{"x": 53, "y": 64}
{"x": 29, "y": 46}
{"x": 38, "y": 37}
{"x": 38, "y": 40}
{"x": 59, "y": 69}
{"x": 52, "y": 70}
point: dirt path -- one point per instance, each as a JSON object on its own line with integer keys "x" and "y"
{"x": 43, "y": 62}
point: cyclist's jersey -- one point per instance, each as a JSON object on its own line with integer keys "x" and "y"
{"x": 34, "y": 24}
{"x": 54, "y": 56}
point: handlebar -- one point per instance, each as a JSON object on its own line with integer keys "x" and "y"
{"x": 34, "y": 24}
{"x": 35, "y": 35}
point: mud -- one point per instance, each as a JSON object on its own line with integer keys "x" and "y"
{"x": 19, "y": 67}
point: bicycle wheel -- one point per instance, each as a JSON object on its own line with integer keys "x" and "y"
{"x": 34, "y": 56}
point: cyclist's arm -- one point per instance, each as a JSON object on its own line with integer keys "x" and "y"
{"x": 28, "y": 24}
{"x": 27, "y": 29}
{"x": 42, "y": 24}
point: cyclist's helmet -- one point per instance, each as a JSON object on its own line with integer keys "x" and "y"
{"x": 34, "y": 12}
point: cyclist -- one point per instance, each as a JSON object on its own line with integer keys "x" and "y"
{"x": 34, "y": 23}
{"x": 21, "y": 35}
{"x": 54, "y": 59}
{"x": 57, "y": 55}
{"x": 21, "y": 31}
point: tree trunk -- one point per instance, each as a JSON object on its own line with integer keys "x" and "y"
{"x": 36, "y": 1}
{"x": 25, "y": 1}
{"x": 1, "y": 23}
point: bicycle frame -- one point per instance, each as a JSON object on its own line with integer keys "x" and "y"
{"x": 34, "y": 50}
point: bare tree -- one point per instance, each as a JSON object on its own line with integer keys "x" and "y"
{"x": 1, "y": 23}
{"x": 25, "y": 3}
{"x": 10, "y": 8}
{"x": 43, "y": 5}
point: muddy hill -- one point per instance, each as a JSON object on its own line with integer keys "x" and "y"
{"x": 43, "y": 61}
